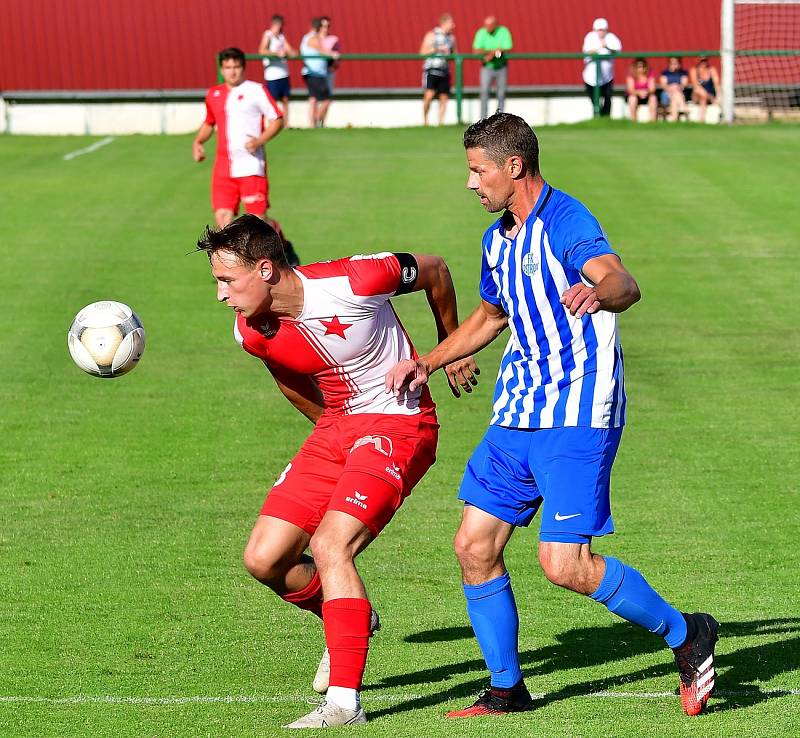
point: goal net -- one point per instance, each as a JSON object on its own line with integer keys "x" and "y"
{"x": 760, "y": 59}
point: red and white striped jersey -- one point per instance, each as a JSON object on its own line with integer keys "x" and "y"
{"x": 239, "y": 114}
{"x": 347, "y": 337}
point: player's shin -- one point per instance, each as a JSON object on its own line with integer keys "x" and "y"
{"x": 347, "y": 632}
{"x": 493, "y": 613}
{"x": 626, "y": 593}
{"x": 309, "y": 598}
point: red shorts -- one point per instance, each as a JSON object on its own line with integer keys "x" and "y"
{"x": 252, "y": 192}
{"x": 363, "y": 465}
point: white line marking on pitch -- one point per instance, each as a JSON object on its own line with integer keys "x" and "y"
{"x": 108, "y": 699}
{"x": 89, "y": 149}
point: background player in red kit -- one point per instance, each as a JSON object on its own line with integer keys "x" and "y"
{"x": 246, "y": 117}
{"x": 328, "y": 334}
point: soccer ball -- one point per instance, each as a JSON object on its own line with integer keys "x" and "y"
{"x": 106, "y": 339}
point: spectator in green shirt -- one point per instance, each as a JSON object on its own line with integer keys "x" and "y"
{"x": 491, "y": 41}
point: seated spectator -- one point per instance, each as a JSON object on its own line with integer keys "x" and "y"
{"x": 674, "y": 80}
{"x": 705, "y": 85}
{"x": 640, "y": 88}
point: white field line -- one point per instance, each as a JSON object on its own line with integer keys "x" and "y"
{"x": 108, "y": 699}
{"x": 89, "y": 149}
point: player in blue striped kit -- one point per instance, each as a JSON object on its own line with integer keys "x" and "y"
{"x": 549, "y": 275}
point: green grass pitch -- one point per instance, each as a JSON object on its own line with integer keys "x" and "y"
{"x": 125, "y": 609}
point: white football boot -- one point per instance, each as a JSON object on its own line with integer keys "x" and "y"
{"x": 322, "y": 678}
{"x": 328, "y": 715}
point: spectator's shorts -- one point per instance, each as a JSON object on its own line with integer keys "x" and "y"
{"x": 228, "y": 192}
{"x": 278, "y": 88}
{"x": 318, "y": 87}
{"x": 440, "y": 83}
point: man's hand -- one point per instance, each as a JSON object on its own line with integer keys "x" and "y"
{"x": 462, "y": 372}
{"x": 580, "y": 300}
{"x": 406, "y": 376}
{"x": 252, "y": 144}
{"x": 198, "y": 152}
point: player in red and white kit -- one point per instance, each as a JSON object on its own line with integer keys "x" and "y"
{"x": 328, "y": 334}
{"x": 246, "y": 117}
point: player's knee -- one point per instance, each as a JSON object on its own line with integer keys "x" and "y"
{"x": 329, "y": 551}
{"x": 474, "y": 552}
{"x": 263, "y": 564}
{"x": 559, "y": 570}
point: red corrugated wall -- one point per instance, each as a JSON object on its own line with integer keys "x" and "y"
{"x": 170, "y": 44}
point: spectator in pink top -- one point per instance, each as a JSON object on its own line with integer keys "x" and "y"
{"x": 330, "y": 45}
{"x": 640, "y": 88}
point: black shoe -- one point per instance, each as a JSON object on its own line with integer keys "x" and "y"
{"x": 291, "y": 254}
{"x": 497, "y": 701}
{"x": 695, "y": 660}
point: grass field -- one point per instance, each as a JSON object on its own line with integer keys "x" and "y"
{"x": 125, "y": 609}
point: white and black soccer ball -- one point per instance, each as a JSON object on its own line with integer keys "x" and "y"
{"x": 106, "y": 339}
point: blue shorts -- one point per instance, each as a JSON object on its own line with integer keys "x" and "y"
{"x": 567, "y": 471}
{"x": 278, "y": 88}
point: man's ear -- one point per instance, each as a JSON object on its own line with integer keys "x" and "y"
{"x": 516, "y": 167}
{"x": 265, "y": 269}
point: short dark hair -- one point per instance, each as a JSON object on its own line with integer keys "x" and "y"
{"x": 316, "y": 23}
{"x": 231, "y": 52}
{"x": 277, "y": 19}
{"x": 503, "y": 135}
{"x": 249, "y": 238}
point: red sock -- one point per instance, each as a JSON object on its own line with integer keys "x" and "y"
{"x": 309, "y": 598}
{"x": 346, "y": 622}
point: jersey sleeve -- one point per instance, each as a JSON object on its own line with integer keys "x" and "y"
{"x": 267, "y": 105}
{"x": 210, "y": 119}
{"x": 578, "y": 237}
{"x": 488, "y": 288}
{"x": 376, "y": 274}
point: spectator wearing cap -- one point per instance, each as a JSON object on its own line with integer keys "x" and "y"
{"x": 600, "y": 41}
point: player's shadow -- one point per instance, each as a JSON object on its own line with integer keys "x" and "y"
{"x": 739, "y": 669}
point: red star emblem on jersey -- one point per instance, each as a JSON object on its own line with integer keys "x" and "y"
{"x": 335, "y": 327}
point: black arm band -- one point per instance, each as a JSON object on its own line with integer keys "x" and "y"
{"x": 408, "y": 273}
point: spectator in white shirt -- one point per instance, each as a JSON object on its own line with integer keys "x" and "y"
{"x": 600, "y": 41}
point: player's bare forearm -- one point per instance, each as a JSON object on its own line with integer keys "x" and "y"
{"x": 303, "y": 392}
{"x": 198, "y": 152}
{"x": 485, "y": 324}
{"x": 614, "y": 289}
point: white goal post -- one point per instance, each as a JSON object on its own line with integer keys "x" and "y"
{"x": 760, "y": 57}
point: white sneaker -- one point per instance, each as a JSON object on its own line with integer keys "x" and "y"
{"x": 328, "y": 715}
{"x": 322, "y": 678}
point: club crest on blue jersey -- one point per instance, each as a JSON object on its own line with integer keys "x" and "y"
{"x": 530, "y": 264}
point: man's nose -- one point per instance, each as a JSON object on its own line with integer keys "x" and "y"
{"x": 222, "y": 292}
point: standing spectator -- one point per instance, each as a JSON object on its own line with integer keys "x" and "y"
{"x": 491, "y": 41}
{"x": 436, "y": 69}
{"x": 330, "y": 44}
{"x": 247, "y": 118}
{"x": 705, "y": 85}
{"x": 276, "y": 68}
{"x": 673, "y": 81}
{"x": 600, "y": 41}
{"x": 315, "y": 74}
{"x": 640, "y": 88}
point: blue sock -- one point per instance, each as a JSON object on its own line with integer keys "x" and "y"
{"x": 625, "y": 592}
{"x": 493, "y": 614}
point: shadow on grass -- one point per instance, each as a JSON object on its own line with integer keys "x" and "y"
{"x": 739, "y": 669}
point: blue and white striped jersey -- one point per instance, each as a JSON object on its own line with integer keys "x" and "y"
{"x": 557, "y": 370}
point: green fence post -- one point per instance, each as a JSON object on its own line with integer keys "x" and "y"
{"x": 459, "y": 86}
{"x": 596, "y": 88}
{"x": 220, "y": 80}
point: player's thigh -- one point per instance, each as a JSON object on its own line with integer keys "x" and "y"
{"x": 497, "y": 478}
{"x": 572, "y": 467}
{"x": 301, "y": 493}
{"x": 254, "y": 194}
{"x": 274, "y": 545}
{"x": 386, "y": 458}
{"x": 224, "y": 192}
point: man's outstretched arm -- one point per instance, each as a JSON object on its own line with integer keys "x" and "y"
{"x": 433, "y": 276}
{"x": 476, "y": 332}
